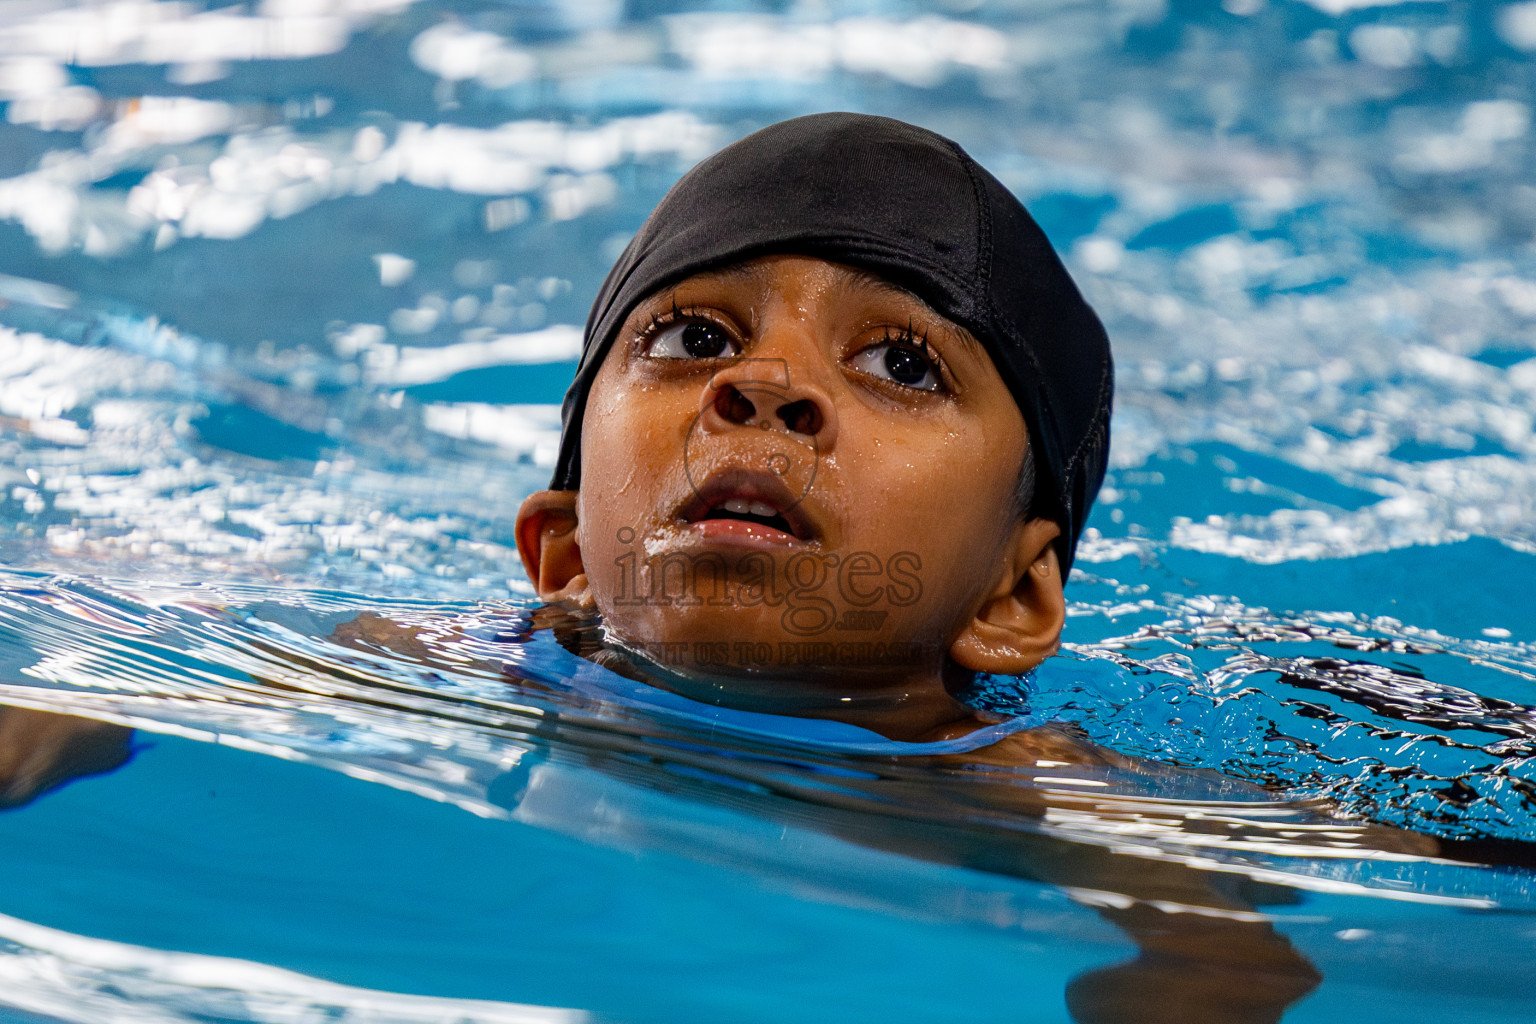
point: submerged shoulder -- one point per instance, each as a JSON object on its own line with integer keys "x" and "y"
{"x": 1045, "y": 746}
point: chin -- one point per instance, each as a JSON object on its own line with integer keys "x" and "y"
{"x": 758, "y": 642}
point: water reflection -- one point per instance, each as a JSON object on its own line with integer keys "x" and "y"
{"x": 1187, "y": 878}
{"x": 289, "y": 295}
{"x": 1204, "y": 954}
{"x": 41, "y": 750}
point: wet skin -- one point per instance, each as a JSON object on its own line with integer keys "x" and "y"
{"x": 41, "y": 750}
{"x": 917, "y": 446}
{"x": 793, "y": 440}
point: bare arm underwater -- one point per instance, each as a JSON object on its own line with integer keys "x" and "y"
{"x": 1204, "y": 951}
{"x": 42, "y": 750}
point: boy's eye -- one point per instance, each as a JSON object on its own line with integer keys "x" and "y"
{"x": 902, "y": 364}
{"x": 692, "y": 339}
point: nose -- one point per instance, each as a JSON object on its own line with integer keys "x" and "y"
{"x": 764, "y": 393}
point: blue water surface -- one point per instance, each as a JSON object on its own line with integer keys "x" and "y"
{"x": 290, "y": 292}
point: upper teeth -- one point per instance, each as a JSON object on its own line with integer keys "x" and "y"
{"x": 741, "y": 506}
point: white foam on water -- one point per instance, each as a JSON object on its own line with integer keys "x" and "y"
{"x": 403, "y": 366}
{"x": 921, "y": 52}
{"x": 526, "y": 429}
{"x": 1342, "y": 7}
{"x": 134, "y": 481}
{"x": 456, "y": 53}
{"x": 263, "y": 172}
{"x": 96, "y": 981}
{"x": 146, "y": 32}
{"x": 1517, "y": 25}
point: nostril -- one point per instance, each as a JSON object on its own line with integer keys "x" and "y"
{"x": 803, "y": 417}
{"x": 734, "y": 406}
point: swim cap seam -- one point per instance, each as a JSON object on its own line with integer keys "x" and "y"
{"x": 980, "y": 299}
{"x": 1090, "y": 439}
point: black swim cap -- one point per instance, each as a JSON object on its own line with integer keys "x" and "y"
{"x": 913, "y": 208}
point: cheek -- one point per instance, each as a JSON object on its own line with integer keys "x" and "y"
{"x": 935, "y": 474}
{"x": 632, "y": 477}
{"x": 941, "y": 491}
{"x": 630, "y": 438}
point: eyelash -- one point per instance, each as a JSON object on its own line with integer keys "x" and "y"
{"x": 668, "y": 317}
{"x": 909, "y": 338}
{"x": 673, "y": 316}
{"x": 917, "y": 342}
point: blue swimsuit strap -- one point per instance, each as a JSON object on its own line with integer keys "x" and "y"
{"x": 543, "y": 660}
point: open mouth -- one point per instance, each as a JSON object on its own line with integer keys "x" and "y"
{"x": 751, "y": 512}
{"x": 757, "y": 500}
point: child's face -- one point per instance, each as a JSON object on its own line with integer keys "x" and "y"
{"x": 792, "y": 467}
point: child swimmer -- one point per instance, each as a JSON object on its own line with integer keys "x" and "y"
{"x": 839, "y": 418}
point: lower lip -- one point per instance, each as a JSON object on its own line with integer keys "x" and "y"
{"x": 740, "y": 533}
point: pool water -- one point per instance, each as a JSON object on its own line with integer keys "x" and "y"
{"x": 289, "y": 294}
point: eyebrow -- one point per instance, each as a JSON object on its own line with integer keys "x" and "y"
{"x": 743, "y": 271}
{"x": 752, "y": 269}
{"x": 963, "y": 337}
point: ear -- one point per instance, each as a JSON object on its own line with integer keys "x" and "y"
{"x": 546, "y": 540}
{"x": 1019, "y": 623}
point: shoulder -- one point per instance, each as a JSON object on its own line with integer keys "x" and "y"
{"x": 1045, "y": 746}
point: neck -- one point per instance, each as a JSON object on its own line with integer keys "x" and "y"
{"x": 909, "y": 703}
